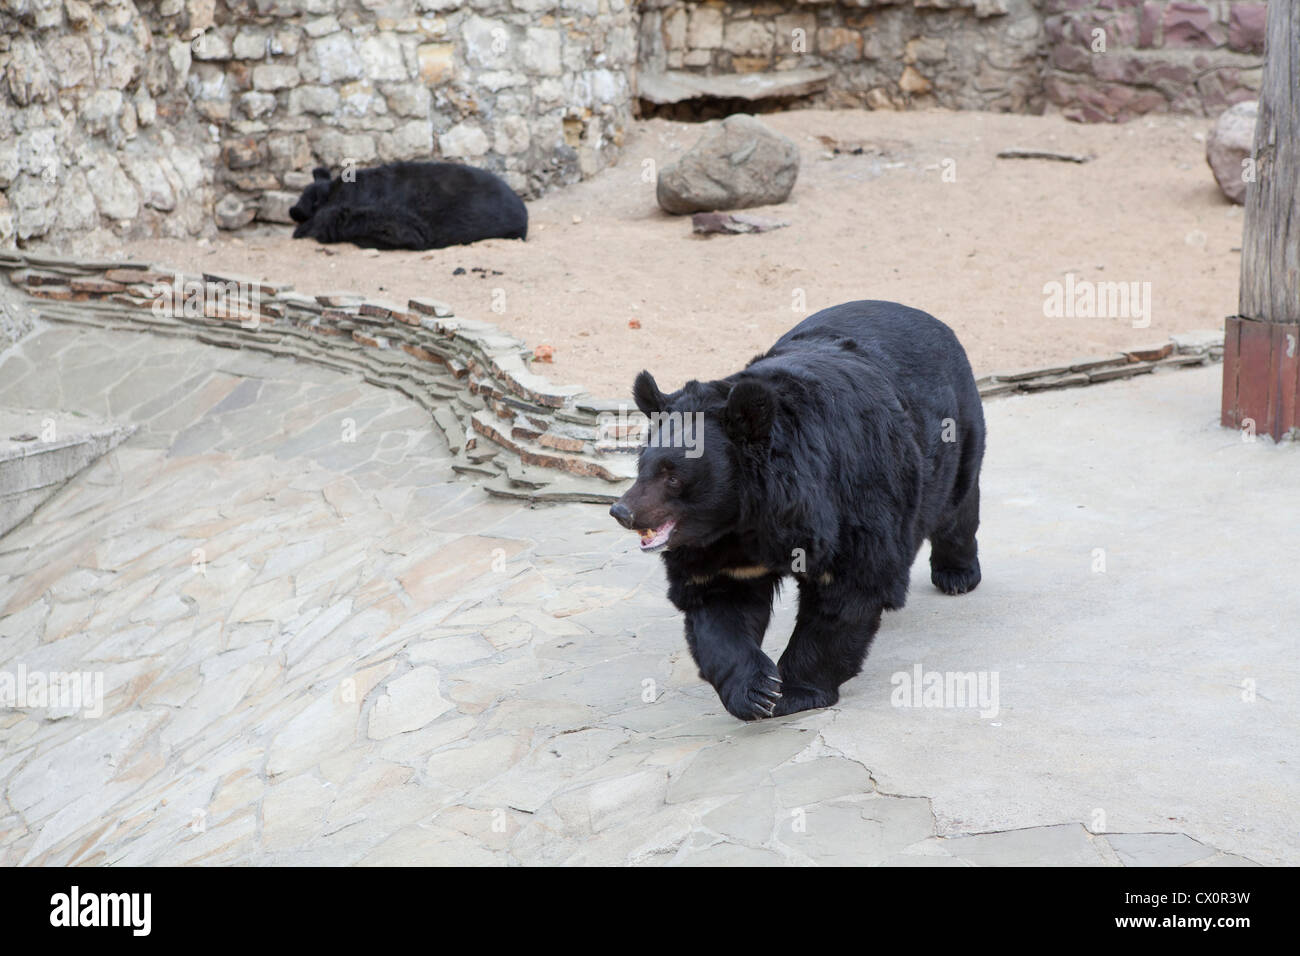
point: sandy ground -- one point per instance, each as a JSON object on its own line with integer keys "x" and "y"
{"x": 885, "y": 224}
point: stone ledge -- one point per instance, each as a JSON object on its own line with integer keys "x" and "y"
{"x": 1184, "y": 349}
{"x": 676, "y": 86}
{"x": 40, "y": 450}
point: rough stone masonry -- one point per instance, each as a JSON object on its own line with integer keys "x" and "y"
{"x": 146, "y": 118}
{"x": 177, "y": 117}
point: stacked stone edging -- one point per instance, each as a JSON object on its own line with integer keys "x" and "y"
{"x": 523, "y": 435}
{"x": 1180, "y": 351}
{"x": 530, "y": 437}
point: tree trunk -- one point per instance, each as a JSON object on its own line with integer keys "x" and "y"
{"x": 1261, "y": 367}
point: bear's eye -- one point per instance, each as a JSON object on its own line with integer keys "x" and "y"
{"x": 673, "y": 482}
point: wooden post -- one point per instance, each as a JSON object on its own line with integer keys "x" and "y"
{"x": 1261, "y": 349}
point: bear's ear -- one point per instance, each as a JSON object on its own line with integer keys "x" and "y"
{"x": 646, "y": 394}
{"x": 751, "y": 407}
{"x": 319, "y": 173}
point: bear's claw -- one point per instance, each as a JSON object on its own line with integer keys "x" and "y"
{"x": 754, "y": 700}
{"x": 763, "y": 700}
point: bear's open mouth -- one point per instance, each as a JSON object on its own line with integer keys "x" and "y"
{"x": 652, "y": 539}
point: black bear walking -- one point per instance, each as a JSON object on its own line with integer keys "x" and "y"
{"x": 409, "y": 206}
{"x": 830, "y": 458}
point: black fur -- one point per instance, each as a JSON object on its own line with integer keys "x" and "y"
{"x": 825, "y": 459}
{"x": 410, "y": 206}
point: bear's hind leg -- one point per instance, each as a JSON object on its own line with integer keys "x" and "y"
{"x": 954, "y": 555}
{"x": 724, "y": 631}
{"x": 830, "y": 641}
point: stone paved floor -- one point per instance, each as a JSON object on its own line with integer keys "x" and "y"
{"x": 320, "y": 646}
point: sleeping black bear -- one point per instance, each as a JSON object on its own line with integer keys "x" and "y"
{"x": 409, "y": 206}
{"x": 829, "y": 458}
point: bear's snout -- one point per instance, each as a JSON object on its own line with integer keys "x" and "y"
{"x": 621, "y": 513}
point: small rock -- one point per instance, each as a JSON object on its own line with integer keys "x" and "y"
{"x": 1017, "y": 152}
{"x": 879, "y": 99}
{"x": 241, "y": 153}
{"x": 1198, "y": 342}
{"x": 913, "y": 82}
{"x": 736, "y": 164}
{"x": 431, "y": 307}
{"x": 78, "y": 12}
{"x": 1229, "y": 145}
{"x": 274, "y": 206}
{"x": 634, "y": 323}
{"x": 708, "y": 223}
{"x": 1151, "y": 353}
{"x": 231, "y": 212}
{"x": 544, "y": 353}
{"x": 96, "y": 286}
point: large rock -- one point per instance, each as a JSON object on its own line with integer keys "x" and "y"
{"x": 736, "y": 164}
{"x": 1230, "y": 143}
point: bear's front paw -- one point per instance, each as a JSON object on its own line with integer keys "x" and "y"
{"x": 753, "y": 692}
{"x": 956, "y": 580}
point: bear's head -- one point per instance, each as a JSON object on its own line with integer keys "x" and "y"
{"x": 687, "y": 491}
{"x": 313, "y": 197}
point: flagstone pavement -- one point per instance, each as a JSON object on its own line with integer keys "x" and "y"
{"x": 319, "y": 645}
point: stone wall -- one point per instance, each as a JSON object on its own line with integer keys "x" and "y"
{"x": 170, "y": 117}
{"x": 961, "y": 54}
{"x": 134, "y": 116}
{"x": 535, "y": 90}
{"x": 96, "y": 132}
{"x": 1116, "y": 59}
